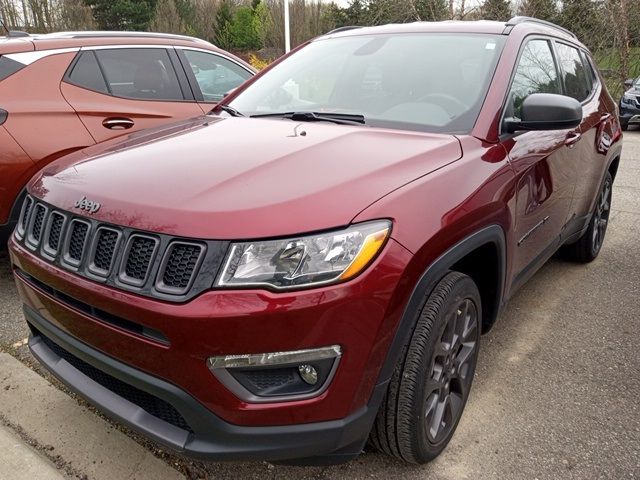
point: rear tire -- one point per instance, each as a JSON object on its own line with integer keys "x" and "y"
{"x": 587, "y": 248}
{"x": 431, "y": 383}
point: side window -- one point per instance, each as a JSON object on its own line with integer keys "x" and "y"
{"x": 215, "y": 75}
{"x": 8, "y": 67}
{"x": 536, "y": 73}
{"x": 86, "y": 73}
{"x": 591, "y": 73}
{"x": 140, "y": 73}
{"x": 574, "y": 73}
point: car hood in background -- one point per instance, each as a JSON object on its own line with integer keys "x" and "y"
{"x": 235, "y": 178}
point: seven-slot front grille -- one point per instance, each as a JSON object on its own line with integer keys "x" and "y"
{"x": 150, "y": 264}
{"x": 55, "y": 232}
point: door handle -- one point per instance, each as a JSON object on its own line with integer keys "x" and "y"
{"x": 572, "y": 139}
{"x": 605, "y": 117}
{"x": 118, "y": 123}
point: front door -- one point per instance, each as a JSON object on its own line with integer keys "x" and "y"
{"x": 543, "y": 163}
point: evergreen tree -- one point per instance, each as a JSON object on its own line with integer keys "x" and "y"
{"x": 245, "y": 30}
{"x": 432, "y": 10}
{"x": 122, "y": 14}
{"x": 224, "y": 18}
{"x": 581, "y": 17}
{"x": 496, "y": 10}
{"x": 542, "y": 9}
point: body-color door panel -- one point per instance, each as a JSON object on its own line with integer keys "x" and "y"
{"x": 94, "y": 108}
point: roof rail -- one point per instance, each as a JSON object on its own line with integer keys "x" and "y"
{"x": 343, "y": 29}
{"x": 117, "y": 34}
{"x": 518, "y": 20}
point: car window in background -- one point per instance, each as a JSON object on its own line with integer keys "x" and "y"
{"x": 574, "y": 73}
{"x": 422, "y": 81}
{"x": 86, "y": 73}
{"x": 140, "y": 73}
{"x": 215, "y": 75}
{"x": 536, "y": 73}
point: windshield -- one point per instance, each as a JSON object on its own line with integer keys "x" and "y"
{"x": 424, "y": 82}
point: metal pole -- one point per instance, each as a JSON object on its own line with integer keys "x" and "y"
{"x": 287, "y": 30}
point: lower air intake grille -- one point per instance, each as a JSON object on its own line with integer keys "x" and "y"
{"x": 149, "y": 403}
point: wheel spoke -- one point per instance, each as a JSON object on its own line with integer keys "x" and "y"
{"x": 437, "y": 420}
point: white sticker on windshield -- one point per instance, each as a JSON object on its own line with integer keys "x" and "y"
{"x": 490, "y": 46}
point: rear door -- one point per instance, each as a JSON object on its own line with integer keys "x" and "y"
{"x": 118, "y": 90}
{"x": 590, "y": 152}
{"x": 543, "y": 161}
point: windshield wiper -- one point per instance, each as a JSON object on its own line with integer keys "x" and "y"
{"x": 339, "y": 118}
{"x": 229, "y": 109}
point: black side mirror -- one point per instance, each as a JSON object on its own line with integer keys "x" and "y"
{"x": 628, "y": 83}
{"x": 546, "y": 111}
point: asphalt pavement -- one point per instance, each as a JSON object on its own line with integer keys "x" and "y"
{"x": 556, "y": 393}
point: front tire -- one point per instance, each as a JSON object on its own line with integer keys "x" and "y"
{"x": 431, "y": 383}
{"x": 587, "y": 248}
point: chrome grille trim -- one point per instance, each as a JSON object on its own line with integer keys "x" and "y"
{"x": 54, "y": 244}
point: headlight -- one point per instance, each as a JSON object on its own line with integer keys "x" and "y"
{"x": 626, "y": 98}
{"x": 304, "y": 261}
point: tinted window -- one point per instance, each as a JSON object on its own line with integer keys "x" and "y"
{"x": 574, "y": 74}
{"x": 86, "y": 73}
{"x": 215, "y": 75}
{"x": 9, "y": 67}
{"x": 141, "y": 73}
{"x": 424, "y": 82}
{"x": 536, "y": 73}
{"x": 591, "y": 73}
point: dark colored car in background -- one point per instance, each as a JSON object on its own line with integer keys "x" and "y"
{"x": 313, "y": 263}
{"x": 630, "y": 104}
{"x": 63, "y": 92}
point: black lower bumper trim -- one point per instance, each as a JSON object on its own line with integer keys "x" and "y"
{"x": 211, "y": 437}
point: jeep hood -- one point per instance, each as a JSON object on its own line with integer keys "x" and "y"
{"x": 236, "y": 178}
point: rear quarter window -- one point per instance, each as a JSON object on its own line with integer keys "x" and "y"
{"x": 8, "y": 67}
{"x": 86, "y": 73}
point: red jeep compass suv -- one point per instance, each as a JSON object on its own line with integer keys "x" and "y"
{"x": 62, "y": 92}
{"x": 312, "y": 265}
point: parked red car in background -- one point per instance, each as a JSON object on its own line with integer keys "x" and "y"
{"x": 65, "y": 91}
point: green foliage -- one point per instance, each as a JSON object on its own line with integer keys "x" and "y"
{"x": 542, "y": 9}
{"x": 496, "y": 10}
{"x": 432, "y": 10}
{"x": 245, "y": 29}
{"x": 224, "y": 18}
{"x": 122, "y": 14}
{"x": 585, "y": 11}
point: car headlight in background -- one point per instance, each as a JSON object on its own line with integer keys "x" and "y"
{"x": 306, "y": 260}
{"x": 627, "y": 98}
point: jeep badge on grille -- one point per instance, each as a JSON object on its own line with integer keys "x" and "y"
{"x": 88, "y": 205}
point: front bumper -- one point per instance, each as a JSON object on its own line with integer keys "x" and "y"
{"x": 72, "y": 362}
{"x": 629, "y": 114}
{"x": 360, "y": 315}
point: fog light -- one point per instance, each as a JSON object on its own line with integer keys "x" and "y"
{"x": 308, "y": 374}
{"x": 277, "y": 376}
